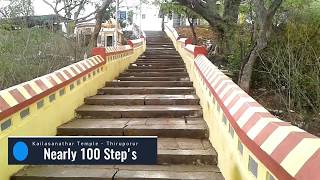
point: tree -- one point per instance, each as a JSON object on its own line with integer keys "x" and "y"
{"x": 221, "y": 20}
{"x": 169, "y": 7}
{"x": 100, "y": 13}
{"x": 17, "y": 8}
{"x": 70, "y": 10}
{"x": 264, "y": 22}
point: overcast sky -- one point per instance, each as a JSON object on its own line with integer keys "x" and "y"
{"x": 41, "y": 8}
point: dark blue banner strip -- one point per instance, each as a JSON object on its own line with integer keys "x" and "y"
{"x": 82, "y": 150}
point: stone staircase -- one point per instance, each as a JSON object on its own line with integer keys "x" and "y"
{"x": 154, "y": 97}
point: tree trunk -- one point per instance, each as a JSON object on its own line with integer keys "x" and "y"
{"x": 194, "y": 34}
{"x": 245, "y": 73}
{"x": 264, "y": 22}
{"x": 99, "y": 18}
{"x": 162, "y": 23}
{"x": 97, "y": 28}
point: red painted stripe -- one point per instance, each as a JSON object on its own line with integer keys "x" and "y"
{"x": 94, "y": 61}
{"x": 79, "y": 67}
{"x": 11, "y": 110}
{"x": 235, "y": 100}
{"x": 265, "y": 133}
{"x": 51, "y": 80}
{"x": 211, "y": 73}
{"x": 59, "y": 75}
{"x": 244, "y": 108}
{"x": 42, "y": 86}
{"x": 224, "y": 98}
{"x": 215, "y": 77}
{"x": 17, "y": 95}
{"x": 3, "y": 104}
{"x": 207, "y": 70}
{"x": 265, "y": 158}
{"x": 254, "y": 119}
{"x": 88, "y": 62}
{"x": 30, "y": 90}
{"x": 67, "y": 73}
{"x": 224, "y": 86}
{"x": 219, "y": 82}
{"x": 287, "y": 145}
{"x": 85, "y": 66}
{"x": 74, "y": 70}
{"x": 310, "y": 170}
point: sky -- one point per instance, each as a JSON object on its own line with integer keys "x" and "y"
{"x": 42, "y": 8}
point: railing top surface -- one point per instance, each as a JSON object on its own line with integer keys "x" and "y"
{"x": 18, "y": 97}
{"x": 117, "y": 49}
{"x": 286, "y": 150}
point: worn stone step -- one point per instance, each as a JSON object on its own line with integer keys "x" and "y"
{"x": 151, "y": 58}
{"x": 156, "y": 43}
{"x": 150, "y": 111}
{"x": 165, "y": 127}
{"x": 149, "y": 83}
{"x": 155, "y": 63}
{"x": 120, "y": 172}
{"x": 186, "y": 151}
{"x": 158, "y": 70}
{"x": 181, "y": 172}
{"x": 160, "y": 57}
{"x": 160, "y": 53}
{"x": 154, "y": 99}
{"x": 133, "y": 78}
{"x": 154, "y": 74}
{"x": 150, "y": 66}
{"x": 165, "y": 49}
{"x": 161, "y": 48}
{"x": 160, "y": 62}
{"x": 146, "y": 90}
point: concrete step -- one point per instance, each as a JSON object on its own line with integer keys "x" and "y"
{"x": 151, "y": 66}
{"x": 145, "y": 90}
{"x": 156, "y": 63}
{"x": 162, "y": 127}
{"x": 154, "y": 99}
{"x": 133, "y": 78}
{"x": 170, "y": 172}
{"x": 162, "y": 48}
{"x": 154, "y": 74}
{"x": 149, "y": 83}
{"x": 160, "y": 57}
{"x": 120, "y": 172}
{"x": 152, "y": 59}
{"x": 160, "y": 53}
{"x": 159, "y": 62}
{"x": 156, "y": 43}
{"x": 149, "y": 111}
{"x": 159, "y": 44}
{"x": 158, "y": 70}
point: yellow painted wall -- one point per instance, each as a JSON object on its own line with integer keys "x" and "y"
{"x": 44, "y": 121}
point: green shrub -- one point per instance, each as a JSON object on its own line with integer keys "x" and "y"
{"x": 29, "y": 53}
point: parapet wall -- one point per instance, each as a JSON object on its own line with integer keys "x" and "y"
{"x": 251, "y": 143}
{"x": 39, "y": 106}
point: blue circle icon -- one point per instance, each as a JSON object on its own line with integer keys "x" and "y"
{"x": 20, "y": 151}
